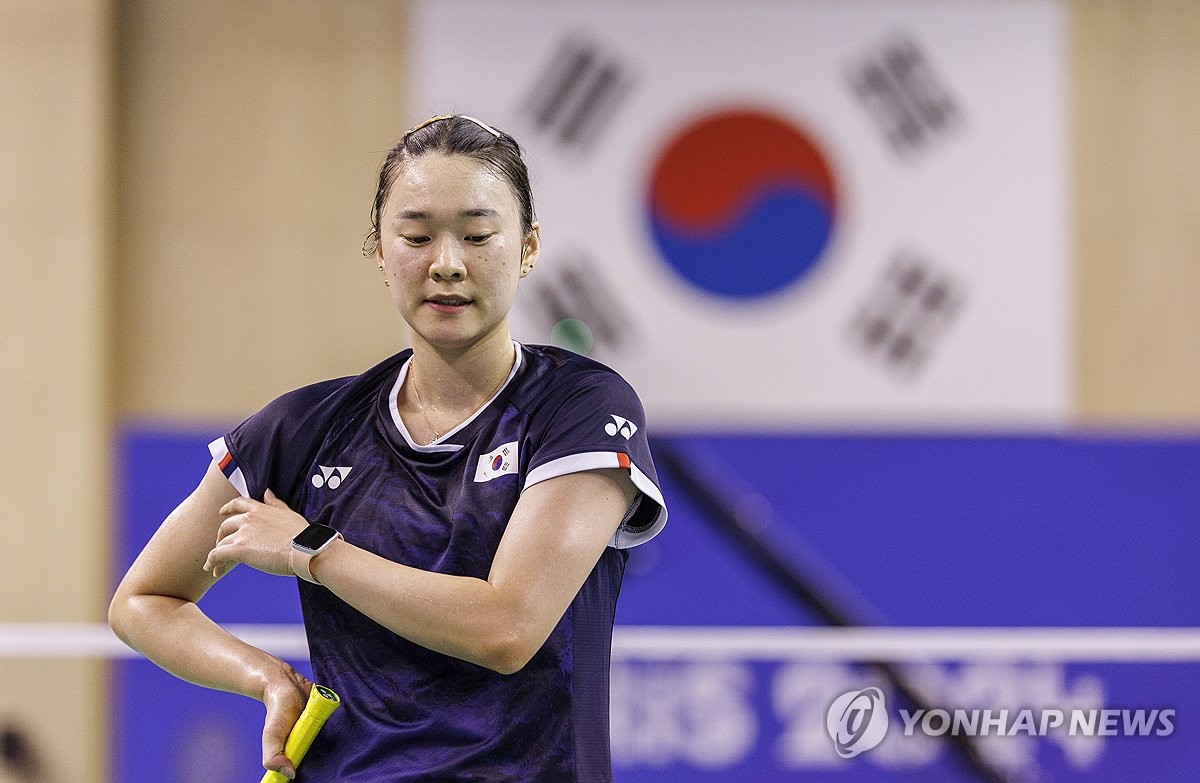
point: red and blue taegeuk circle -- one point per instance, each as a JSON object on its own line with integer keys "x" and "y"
{"x": 742, "y": 203}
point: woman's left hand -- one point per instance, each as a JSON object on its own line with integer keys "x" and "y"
{"x": 257, "y": 534}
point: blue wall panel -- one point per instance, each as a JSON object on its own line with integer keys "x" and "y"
{"x": 902, "y": 530}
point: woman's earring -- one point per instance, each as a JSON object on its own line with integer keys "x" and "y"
{"x": 385, "y": 279}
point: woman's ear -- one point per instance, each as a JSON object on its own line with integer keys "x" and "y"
{"x": 531, "y": 249}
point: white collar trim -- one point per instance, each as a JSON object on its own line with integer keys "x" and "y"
{"x": 440, "y": 445}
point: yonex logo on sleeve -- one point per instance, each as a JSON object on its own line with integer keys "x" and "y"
{"x": 624, "y": 427}
{"x": 330, "y": 477}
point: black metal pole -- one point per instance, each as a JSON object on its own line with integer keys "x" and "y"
{"x": 704, "y": 487}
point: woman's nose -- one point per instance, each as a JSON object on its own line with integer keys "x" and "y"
{"x": 447, "y": 261}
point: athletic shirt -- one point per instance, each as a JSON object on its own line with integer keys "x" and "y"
{"x": 339, "y": 453}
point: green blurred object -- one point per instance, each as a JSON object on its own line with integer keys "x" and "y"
{"x": 572, "y": 334}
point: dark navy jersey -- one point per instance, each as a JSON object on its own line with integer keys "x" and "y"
{"x": 339, "y": 453}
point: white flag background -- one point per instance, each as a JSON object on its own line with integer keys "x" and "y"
{"x": 787, "y": 215}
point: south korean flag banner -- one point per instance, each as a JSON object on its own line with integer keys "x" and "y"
{"x": 772, "y": 215}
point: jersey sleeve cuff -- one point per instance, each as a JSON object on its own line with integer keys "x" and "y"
{"x": 221, "y": 455}
{"x": 625, "y": 537}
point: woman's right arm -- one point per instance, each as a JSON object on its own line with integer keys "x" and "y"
{"x": 154, "y": 611}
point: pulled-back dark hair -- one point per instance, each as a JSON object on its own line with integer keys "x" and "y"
{"x": 455, "y": 135}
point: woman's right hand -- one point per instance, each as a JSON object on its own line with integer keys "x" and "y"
{"x": 155, "y": 612}
{"x": 284, "y": 697}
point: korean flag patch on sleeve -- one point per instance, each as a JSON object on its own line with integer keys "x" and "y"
{"x": 496, "y": 463}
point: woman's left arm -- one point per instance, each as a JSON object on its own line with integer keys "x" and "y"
{"x": 555, "y": 536}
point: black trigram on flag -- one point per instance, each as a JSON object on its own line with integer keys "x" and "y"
{"x": 902, "y": 92}
{"x": 577, "y": 93}
{"x": 905, "y": 314}
{"x": 573, "y": 306}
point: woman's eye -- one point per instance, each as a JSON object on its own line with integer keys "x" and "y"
{"x": 416, "y": 240}
{"x": 478, "y": 239}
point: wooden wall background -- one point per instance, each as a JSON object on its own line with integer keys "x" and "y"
{"x": 172, "y": 250}
{"x": 56, "y": 229}
{"x": 1137, "y": 169}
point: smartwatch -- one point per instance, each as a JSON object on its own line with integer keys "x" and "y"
{"x": 308, "y": 543}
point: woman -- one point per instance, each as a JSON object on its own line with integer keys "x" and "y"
{"x": 459, "y": 515}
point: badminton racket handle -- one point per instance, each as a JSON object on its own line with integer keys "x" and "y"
{"x": 321, "y": 704}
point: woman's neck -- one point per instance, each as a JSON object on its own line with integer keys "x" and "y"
{"x": 461, "y": 381}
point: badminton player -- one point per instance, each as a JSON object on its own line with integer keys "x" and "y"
{"x": 459, "y": 516}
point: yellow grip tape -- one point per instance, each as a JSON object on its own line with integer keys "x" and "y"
{"x": 321, "y": 704}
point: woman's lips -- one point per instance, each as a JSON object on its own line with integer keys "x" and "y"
{"x": 448, "y": 304}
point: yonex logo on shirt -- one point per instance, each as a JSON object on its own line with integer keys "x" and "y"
{"x": 624, "y": 427}
{"x": 330, "y": 477}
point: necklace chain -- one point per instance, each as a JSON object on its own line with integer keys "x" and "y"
{"x": 412, "y": 372}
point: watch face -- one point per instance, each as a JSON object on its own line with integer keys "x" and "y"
{"x": 314, "y": 537}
